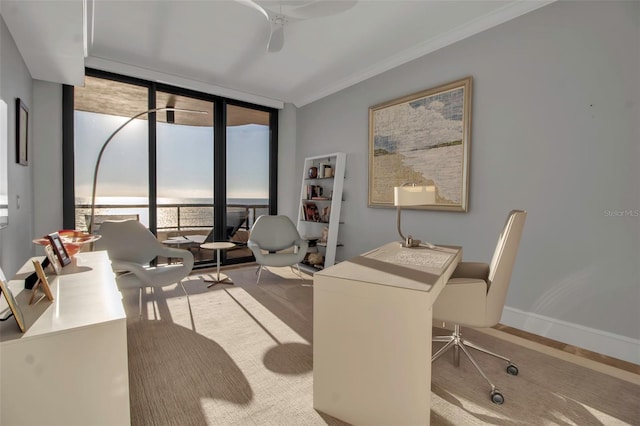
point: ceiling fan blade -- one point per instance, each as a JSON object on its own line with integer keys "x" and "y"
{"x": 318, "y": 8}
{"x": 276, "y": 41}
{"x": 255, "y": 6}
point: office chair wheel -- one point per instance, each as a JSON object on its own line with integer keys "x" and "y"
{"x": 496, "y": 397}
{"x": 512, "y": 369}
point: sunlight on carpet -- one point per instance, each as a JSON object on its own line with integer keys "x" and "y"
{"x": 265, "y": 361}
{"x": 249, "y": 333}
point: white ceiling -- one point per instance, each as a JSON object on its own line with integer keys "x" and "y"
{"x": 219, "y": 46}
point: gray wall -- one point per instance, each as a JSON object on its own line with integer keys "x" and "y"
{"x": 47, "y": 161}
{"x": 15, "y": 82}
{"x": 555, "y": 131}
{"x": 288, "y": 180}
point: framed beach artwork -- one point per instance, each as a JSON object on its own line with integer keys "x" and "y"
{"x": 424, "y": 139}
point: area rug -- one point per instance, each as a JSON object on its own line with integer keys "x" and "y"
{"x": 241, "y": 354}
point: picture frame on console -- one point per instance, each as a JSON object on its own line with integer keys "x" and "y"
{"x": 422, "y": 138}
{"x": 11, "y": 301}
{"x": 54, "y": 262}
{"x": 59, "y": 249}
{"x": 42, "y": 283}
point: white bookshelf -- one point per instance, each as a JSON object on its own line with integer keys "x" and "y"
{"x": 325, "y": 192}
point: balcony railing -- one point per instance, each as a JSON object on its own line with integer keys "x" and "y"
{"x": 170, "y": 217}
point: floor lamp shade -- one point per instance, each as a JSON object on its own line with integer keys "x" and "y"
{"x": 104, "y": 146}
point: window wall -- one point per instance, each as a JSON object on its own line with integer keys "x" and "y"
{"x": 123, "y": 173}
{"x": 247, "y": 176}
{"x": 200, "y": 168}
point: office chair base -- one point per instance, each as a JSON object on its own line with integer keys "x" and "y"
{"x": 457, "y": 343}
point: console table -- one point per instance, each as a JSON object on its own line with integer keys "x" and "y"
{"x": 372, "y": 318}
{"x": 70, "y": 367}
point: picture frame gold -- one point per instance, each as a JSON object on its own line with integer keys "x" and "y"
{"x": 11, "y": 301}
{"x": 42, "y": 283}
{"x": 22, "y": 133}
{"x": 53, "y": 259}
{"x": 423, "y": 138}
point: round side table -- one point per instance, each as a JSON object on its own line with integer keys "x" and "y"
{"x": 176, "y": 243}
{"x": 217, "y": 246}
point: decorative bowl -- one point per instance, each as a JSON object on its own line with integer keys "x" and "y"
{"x": 73, "y": 240}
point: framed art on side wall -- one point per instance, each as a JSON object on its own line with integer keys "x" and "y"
{"x": 423, "y": 139}
{"x": 4, "y": 167}
{"x": 22, "y": 133}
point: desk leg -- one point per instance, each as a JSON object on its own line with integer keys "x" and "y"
{"x": 220, "y": 278}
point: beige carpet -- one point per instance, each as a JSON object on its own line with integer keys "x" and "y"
{"x": 241, "y": 355}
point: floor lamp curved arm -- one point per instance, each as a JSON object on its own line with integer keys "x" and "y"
{"x": 111, "y": 136}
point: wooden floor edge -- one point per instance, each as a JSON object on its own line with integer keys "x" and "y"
{"x": 621, "y": 369}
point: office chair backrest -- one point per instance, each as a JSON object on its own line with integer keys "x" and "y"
{"x": 127, "y": 240}
{"x": 502, "y": 263}
{"x": 274, "y": 233}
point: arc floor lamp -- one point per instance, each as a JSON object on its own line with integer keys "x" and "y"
{"x": 104, "y": 146}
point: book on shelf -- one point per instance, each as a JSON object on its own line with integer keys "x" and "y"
{"x": 310, "y": 212}
{"x": 313, "y": 191}
{"x": 325, "y": 170}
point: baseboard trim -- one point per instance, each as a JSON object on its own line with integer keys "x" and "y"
{"x": 610, "y": 344}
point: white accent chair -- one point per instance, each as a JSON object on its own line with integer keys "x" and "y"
{"x": 271, "y": 240}
{"x": 131, "y": 247}
{"x": 474, "y": 296}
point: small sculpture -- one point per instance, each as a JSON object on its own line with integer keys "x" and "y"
{"x": 325, "y": 235}
{"x": 316, "y": 259}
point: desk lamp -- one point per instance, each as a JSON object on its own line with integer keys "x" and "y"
{"x": 409, "y": 194}
{"x": 104, "y": 146}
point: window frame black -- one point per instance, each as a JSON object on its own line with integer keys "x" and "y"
{"x": 220, "y": 143}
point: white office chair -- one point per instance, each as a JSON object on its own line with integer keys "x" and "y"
{"x": 269, "y": 236}
{"x": 474, "y": 296}
{"x": 131, "y": 247}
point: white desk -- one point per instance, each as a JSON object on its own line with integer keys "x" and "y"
{"x": 70, "y": 367}
{"x": 372, "y": 318}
